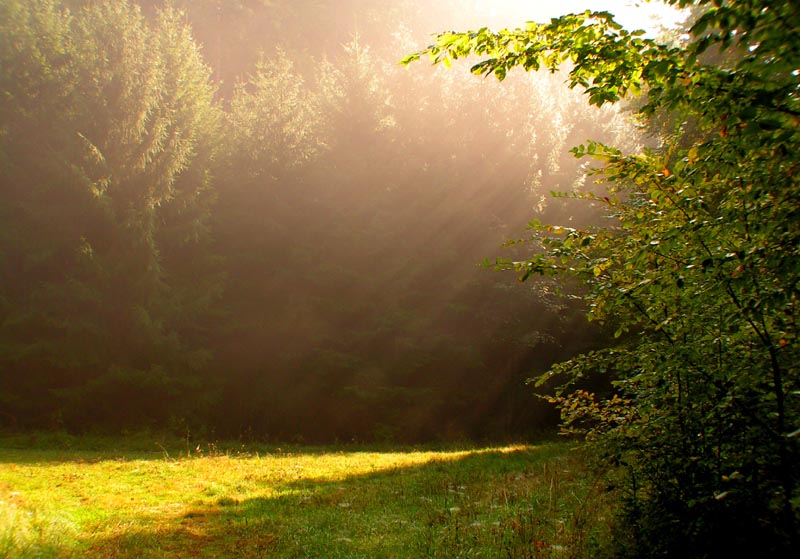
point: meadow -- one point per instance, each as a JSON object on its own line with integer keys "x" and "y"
{"x": 73, "y": 497}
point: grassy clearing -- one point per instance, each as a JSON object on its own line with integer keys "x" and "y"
{"x": 509, "y": 502}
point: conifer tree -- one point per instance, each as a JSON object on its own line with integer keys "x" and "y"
{"x": 107, "y": 136}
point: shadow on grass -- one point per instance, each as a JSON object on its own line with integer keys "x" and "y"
{"x": 484, "y": 503}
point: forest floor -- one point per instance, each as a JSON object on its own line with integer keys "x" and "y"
{"x": 70, "y": 498}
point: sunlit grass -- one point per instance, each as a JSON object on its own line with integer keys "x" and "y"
{"x": 522, "y": 501}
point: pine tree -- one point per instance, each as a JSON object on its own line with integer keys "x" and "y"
{"x": 106, "y": 144}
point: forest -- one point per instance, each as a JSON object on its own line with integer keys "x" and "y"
{"x": 213, "y": 223}
{"x": 273, "y": 221}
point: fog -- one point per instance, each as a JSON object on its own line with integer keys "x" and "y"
{"x": 247, "y": 219}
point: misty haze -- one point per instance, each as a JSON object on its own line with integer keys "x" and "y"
{"x": 253, "y": 220}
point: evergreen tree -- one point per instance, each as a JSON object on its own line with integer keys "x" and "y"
{"x": 105, "y": 151}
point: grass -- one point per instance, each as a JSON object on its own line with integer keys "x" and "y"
{"x": 70, "y": 498}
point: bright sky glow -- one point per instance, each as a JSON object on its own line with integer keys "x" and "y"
{"x": 632, "y": 14}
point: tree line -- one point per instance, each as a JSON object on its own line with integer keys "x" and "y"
{"x": 209, "y": 226}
